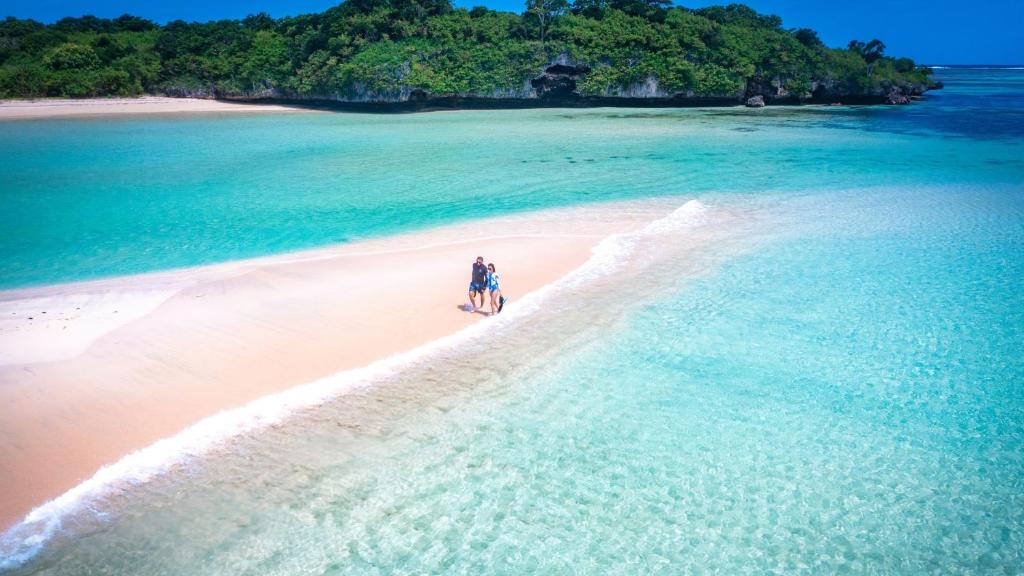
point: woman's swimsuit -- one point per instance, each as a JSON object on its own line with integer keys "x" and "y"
{"x": 493, "y": 282}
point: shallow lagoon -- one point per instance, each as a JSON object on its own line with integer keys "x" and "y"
{"x": 87, "y": 198}
{"x": 820, "y": 372}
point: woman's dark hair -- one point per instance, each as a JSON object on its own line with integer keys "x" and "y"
{"x": 491, "y": 266}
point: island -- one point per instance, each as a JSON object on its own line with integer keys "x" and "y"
{"x": 426, "y": 54}
{"x": 421, "y": 54}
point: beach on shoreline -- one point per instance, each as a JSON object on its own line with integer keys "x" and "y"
{"x": 800, "y": 354}
{"x": 86, "y": 107}
{"x": 92, "y": 371}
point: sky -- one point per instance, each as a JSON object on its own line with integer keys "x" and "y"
{"x": 929, "y": 31}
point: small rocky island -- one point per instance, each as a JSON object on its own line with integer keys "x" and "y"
{"x": 407, "y": 55}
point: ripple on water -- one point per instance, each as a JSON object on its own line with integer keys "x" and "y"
{"x": 791, "y": 393}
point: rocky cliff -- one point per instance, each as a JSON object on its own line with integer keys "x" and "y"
{"x": 556, "y": 85}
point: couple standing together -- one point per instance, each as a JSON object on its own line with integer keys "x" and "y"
{"x": 485, "y": 278}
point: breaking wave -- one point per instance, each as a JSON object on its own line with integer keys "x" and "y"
{"x": 26, "y": 539}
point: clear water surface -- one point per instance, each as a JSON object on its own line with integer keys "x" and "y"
{"x": 822, "y": 374}
{"x": 85, "y": 198}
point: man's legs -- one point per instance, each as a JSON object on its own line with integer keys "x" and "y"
{"x": 472, "y": 298}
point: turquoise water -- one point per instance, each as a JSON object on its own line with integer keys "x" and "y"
{"x": 89, "y": 198}
{"x": 818, "y": 372}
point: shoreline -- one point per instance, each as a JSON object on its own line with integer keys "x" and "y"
{"x": 124, "y": 362}
{"x": 43, "y": 108}
{"x": 575, "y": 102}
{"x": 35, "y": 109}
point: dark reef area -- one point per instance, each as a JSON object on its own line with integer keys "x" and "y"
{"x": 557, "y": 88}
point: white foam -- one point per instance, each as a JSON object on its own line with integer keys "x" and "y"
{"x": 26, "y": 539}
{"x": 689, "y": 214}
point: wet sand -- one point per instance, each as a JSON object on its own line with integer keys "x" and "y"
{"x": 115, "y": 365}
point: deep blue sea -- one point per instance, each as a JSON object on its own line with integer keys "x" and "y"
{"x": 817, "y": 367}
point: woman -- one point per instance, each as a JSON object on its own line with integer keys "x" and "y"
{"x": 494, "y": 286}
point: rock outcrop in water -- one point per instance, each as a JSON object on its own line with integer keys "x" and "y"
{"x": 557, "y": 85}
{"x": 558, "y": 81}
{"x": 896, "y": 97}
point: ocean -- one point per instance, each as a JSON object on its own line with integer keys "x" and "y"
{"x": 812, "y": 366}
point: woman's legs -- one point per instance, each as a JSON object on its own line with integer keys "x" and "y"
{"x": 494, "y": 301}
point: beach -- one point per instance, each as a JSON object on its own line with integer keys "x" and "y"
{"x": 737, "y": 340}
{"x": 85, "y": 107}
{"x": 92, "y": 371}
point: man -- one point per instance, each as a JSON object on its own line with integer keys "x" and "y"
{"x": 478, "y": 283}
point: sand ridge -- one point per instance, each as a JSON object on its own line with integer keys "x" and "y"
{"x": 73, "y": 399}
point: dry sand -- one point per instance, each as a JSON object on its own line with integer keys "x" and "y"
{"x": 61, "y": 107}
{"x": 114, "y": 365}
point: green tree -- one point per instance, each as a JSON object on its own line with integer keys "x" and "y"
{"x": 373, "y": 48}
{"x": 870, "y": 52}
{"x": 71, "y": 56}
{"x": 266, "y": 62}
{"x": 808, "y": 37}
{"x": 545, "y": 11}
{"x": 646, "y": 8}
{"x": 589, "y": 8}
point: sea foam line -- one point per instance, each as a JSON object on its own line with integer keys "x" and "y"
{"x": 23, "y": 541}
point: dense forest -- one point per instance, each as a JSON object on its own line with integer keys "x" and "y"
{"x": 401, "y": 50}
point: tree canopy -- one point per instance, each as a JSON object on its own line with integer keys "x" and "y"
{"x": 366, "y": 49}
